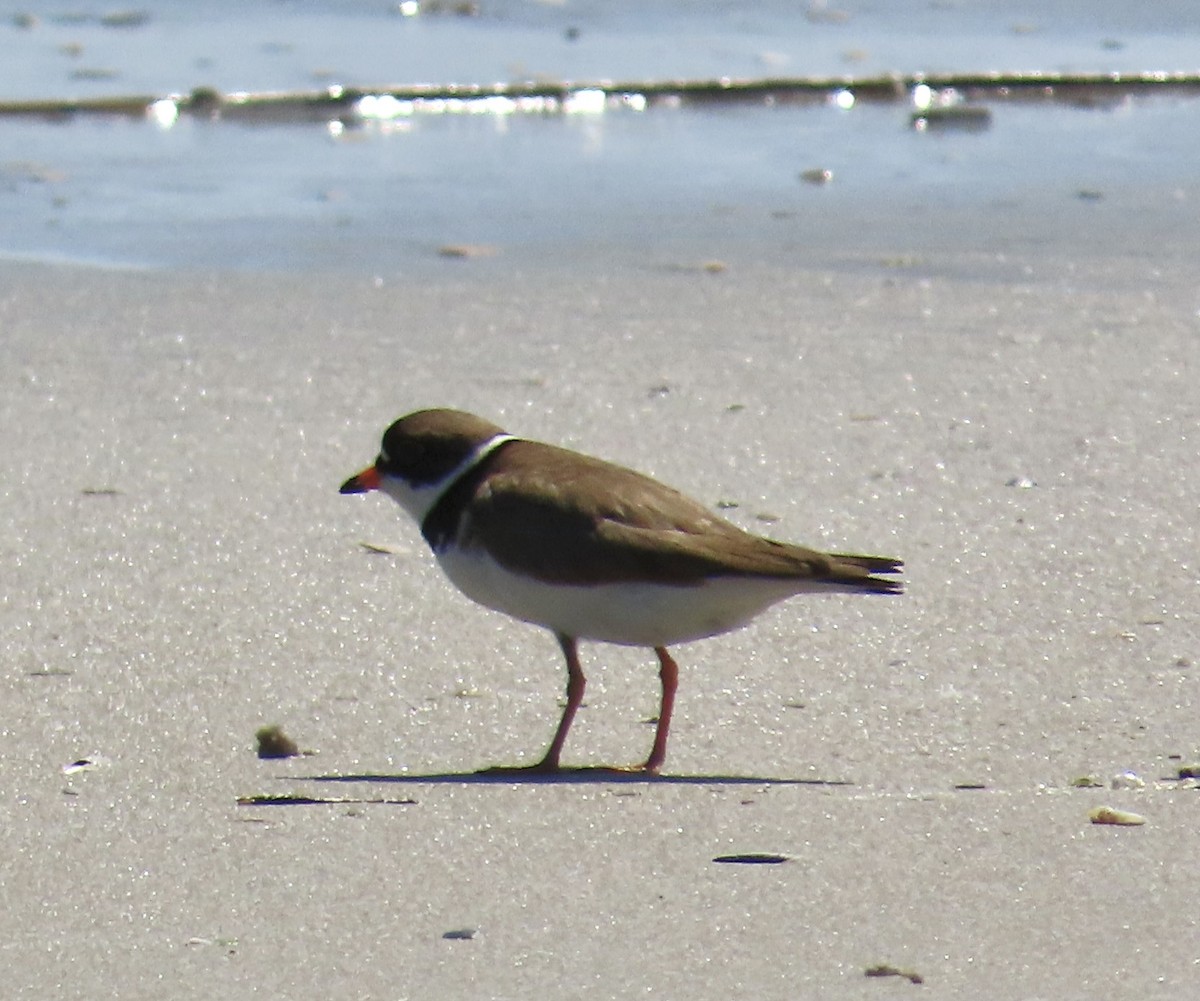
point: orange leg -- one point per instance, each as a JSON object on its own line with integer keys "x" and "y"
{"x": 669, "y": 674}
{"x": 576, "y": 683}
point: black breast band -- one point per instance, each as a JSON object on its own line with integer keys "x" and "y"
{"x": 440, "y": 525}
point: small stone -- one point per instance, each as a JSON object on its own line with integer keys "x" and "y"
{"x": 274, "y": 743}
{"x": 125, "y": 19}
{"x": 959, "y": 117}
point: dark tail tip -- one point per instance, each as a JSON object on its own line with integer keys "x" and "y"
{"x": 873, "y": 565}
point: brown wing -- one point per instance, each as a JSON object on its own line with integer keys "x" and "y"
{"x": 746, "y": 555}
{"x": 594, "y": 522}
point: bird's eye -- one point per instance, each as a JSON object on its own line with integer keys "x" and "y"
{"x": 401, "y": 456}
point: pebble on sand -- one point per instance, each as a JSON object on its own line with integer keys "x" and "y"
{"x": 274, "y": 743}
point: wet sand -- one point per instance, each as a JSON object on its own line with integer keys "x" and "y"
{"x": 180, "y": 571}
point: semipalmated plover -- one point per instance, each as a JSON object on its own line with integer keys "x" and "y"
{"x": 591, "y": 550}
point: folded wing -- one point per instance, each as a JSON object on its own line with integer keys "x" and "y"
{"x": 596, "y": 523}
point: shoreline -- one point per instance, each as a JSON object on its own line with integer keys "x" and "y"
{"x": 351, "y": 106}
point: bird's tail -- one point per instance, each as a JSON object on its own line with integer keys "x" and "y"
{"x": 857, "y": 572}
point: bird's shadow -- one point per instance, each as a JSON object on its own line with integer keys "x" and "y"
{"x": 566, "y": 776}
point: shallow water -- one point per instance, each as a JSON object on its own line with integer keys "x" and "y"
{"x": 174, "y": 46}
{"x": 666, "y": 185}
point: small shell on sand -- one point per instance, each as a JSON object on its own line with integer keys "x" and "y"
{"x": 1118, "y": 818}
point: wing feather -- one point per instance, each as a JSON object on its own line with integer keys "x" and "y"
{"x": 588, "y": 521}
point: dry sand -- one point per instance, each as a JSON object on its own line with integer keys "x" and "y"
{"x": 180, "y": 570}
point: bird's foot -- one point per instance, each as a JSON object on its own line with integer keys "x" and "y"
{"x": 553, "y": 768}
{"x": 542, "y": 767}
{"x": 645, "y": 768}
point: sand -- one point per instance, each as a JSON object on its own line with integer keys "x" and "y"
{"x": 180, "y": 570}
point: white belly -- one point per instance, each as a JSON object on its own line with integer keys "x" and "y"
{"x": 627, "y": 614}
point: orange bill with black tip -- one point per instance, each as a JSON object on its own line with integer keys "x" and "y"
{"x": 360, "y": 483}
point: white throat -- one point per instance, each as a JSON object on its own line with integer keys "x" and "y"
{"x": 420, "y": 500}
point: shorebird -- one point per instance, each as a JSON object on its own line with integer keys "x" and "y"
{"x": 591, "y": 550}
